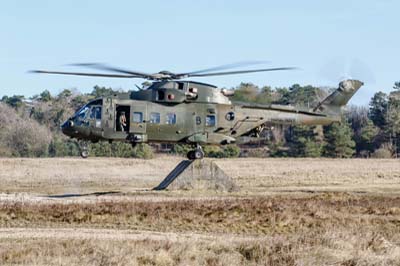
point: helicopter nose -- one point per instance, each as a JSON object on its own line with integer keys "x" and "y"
{"x": 67, "y": 127}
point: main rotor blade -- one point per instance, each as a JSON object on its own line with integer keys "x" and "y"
{"x": 227, "y": 66}
{"x": 240, "y": 72}
{"x": 113, "y": 69}
{"x": 84, "y": 74}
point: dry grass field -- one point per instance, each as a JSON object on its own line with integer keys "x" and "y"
{"x": 286, "y": 212}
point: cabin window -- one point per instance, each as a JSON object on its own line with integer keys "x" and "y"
{"x": 137, "y": 117}
{"x": 181, "y": 86}
{"x": 210, "y": 120}
{"x": 170, "y": 119}
{"x": 155, "y": 118}
{"x": 230, "y": 116}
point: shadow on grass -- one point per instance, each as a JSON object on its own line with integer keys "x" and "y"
{"x": 72, "y": 195}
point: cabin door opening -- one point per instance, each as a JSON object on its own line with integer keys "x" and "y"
{"x": 122, "y": 118}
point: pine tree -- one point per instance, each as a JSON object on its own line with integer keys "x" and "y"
{"x": 45, "y": 96}
{"x": 393, "y": 120}
{"x": 338, "y": 139}
{"x": 378, "y": 109}
{"x": 396, "y": 86}
{"x": 303, "y": 142}
{"x": 367, "y": 136}
{"x": 246, "y": 92}
{"x": 304, "y": 96}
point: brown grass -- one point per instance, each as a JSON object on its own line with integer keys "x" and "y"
{"x": 145, "y": 252}
{"x": 257, "y": 216}
{"x": 253, "y": 176}
{"x": 331, "y": 227}
{"x": 288, "y": 212}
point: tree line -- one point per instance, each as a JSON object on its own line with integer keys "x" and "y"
{"x": 30, "y": 127}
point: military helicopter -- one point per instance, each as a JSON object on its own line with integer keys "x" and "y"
{"x": 173, "y": 110}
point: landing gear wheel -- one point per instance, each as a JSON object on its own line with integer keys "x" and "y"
{"x": 84, "y": 149}
{"x": 198, "y": 154}
{"x": 84, "y": 154}
{"x": 190, "y": 155}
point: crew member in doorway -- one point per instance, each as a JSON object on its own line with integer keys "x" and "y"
{"x": 122, "y": 121}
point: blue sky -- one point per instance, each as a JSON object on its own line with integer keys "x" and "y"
{"x": 320, "y": 37}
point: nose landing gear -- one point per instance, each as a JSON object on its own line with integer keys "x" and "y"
{"x": 83, "y": 148}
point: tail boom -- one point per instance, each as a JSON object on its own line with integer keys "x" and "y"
{"x": 332, "y": 105}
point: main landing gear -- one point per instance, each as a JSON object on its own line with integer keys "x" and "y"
{"x": 192, "y": 155}
{"x": 196, "y": 154}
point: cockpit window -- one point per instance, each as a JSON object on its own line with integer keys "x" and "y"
{"x": 95, "y": 113}
{"x": 82, "y": 113}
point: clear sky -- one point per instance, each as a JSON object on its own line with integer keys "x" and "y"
{"x": 153, "y": 35}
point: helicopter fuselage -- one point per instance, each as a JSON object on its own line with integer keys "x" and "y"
{"x": 180, "y": 112}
